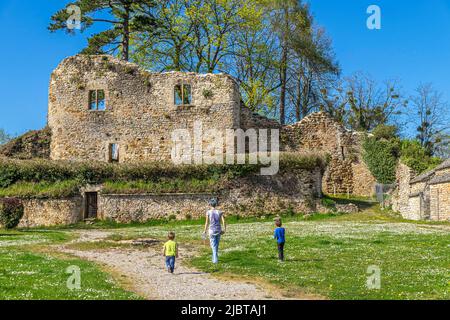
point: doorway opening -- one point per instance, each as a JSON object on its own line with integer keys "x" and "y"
{"x": 91, "y": 205}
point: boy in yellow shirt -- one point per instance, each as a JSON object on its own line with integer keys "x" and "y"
{"x": 170, "y": 251}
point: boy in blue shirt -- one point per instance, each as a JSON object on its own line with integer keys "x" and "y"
{"x": 279, "y": 235}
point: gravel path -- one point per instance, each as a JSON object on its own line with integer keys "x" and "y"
{"x": 145, "y": 271}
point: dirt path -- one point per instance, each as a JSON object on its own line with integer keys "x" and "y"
{"x": 145, "y": 273}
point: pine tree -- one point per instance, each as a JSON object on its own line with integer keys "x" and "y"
{"x": 125, "y": 17}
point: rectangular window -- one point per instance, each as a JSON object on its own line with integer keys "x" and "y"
{"x": 183, "y": 94}
{"x": 97, "y": 100}
{"x": 113, "y": 152}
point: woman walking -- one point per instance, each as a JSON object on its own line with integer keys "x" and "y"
{"x": 215, "y": 220}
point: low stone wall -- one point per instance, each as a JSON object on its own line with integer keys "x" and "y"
{"x": 50, "y": 212}
{"x": 140, "y": 208}
{"x": 246, "y": 197}
{"x": 250, "y": 196}
{"x": 127, "y": 208}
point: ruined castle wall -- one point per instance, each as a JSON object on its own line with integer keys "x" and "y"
{"x": 400, "y": 197}
{"x": 253, "y": 196}
{"x": 140, "y": 113}
{"x": 347, "y": 172}
{"x": 252, "y": 120}
{"x": 51, "y": 212}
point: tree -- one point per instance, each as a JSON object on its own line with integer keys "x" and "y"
{"x": 416, "y": 157}
{"x": 254, "y": 61}
{"x": 312, "y": 73}
{"x": 369, "y": 104}
{"x": 432, "y": 117}
{"x": 170, "y": 49}
{"x": 4, "y": 137}
{"x": 381, "y": 152}
{"x": 301, "y": 52}
{"x": 125, "y": 17}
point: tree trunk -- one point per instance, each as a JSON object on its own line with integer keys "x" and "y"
{"x": 126, "y": 35}
{"x": 283, "y": 86}
{"x": 284, "y": 64}
{"x": 298, "y": 101}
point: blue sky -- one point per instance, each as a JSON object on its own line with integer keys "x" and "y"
{"x": 413, "y": 46}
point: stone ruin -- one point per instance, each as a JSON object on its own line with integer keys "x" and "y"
{"x": 105, "y": 109}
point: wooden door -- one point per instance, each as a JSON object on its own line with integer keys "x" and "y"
{"x": 91, "y": 205}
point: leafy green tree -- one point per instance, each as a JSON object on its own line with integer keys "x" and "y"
{"x": 381, "y": 151}
{"x": 125, "y": 18}
{"x": 381, "y": 158}
{"x": 416, "y": 157}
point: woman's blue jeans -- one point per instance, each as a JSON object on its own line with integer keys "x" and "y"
{"x": 214, "y": 241}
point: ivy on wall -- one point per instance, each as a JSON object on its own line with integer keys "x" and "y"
{"x": 380, "y": 155}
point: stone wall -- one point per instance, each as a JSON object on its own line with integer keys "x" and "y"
{"x": 254, "y": 195}
{"x": 400, "y": 196}
{"x": 440, "y": 192}
{"x": 440, "y": 201}
{"x": 247, "y": 197}
{"x": 50, "y": 212}
{"x": 347, "y": 172}
{"x": 426, "y": 196}
{"x": 414, "y": 211}
{"x": 140, "y": 113}
{"x": 33, "y": 144}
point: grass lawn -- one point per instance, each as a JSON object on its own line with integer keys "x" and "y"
{"x": 25, "y": 273}
{"x": 328, "y": 255}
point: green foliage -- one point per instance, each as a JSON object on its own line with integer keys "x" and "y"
{"x": 125, "y": 18}
{"x": 163, "y": 186}
{"x": 43, "y": 178}
{"x": 385, "y": 132}
{"x": 417, "y": 157}
{"x": 62, "y": 189}
{"x": 381, "y": 158}
{"x": 11, "y": 211}
{"x": 37, "y": 276}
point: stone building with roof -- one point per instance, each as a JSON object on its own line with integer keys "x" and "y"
{"x": 424, "y": 197}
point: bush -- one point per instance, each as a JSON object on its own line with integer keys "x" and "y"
{"x": 416, "y": 157}
{"x": 386, "y": 132}
{"x": 11, "y": 211}
{"x": 381, "y": 158}
{"x": 54, "y": 179}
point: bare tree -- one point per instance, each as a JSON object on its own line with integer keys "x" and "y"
{"x": 432, "y": 117}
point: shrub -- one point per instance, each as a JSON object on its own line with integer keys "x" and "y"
{"x": 11, "y": 211}
{"x": 386, "y": 132}
{"x": 415, "y": 156}
{"x": 381, "y": 158}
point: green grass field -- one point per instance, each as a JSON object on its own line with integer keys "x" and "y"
{"x": 27, "y": 273}
{"x": 327, "y": 255}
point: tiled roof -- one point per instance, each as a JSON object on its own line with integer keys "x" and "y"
{"x": 441, "y": 179}
{"x": 444, "y": 165}
{"x": 423, "y": 177}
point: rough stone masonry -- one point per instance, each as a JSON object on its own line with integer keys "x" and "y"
{"x": 105, "y": 109}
